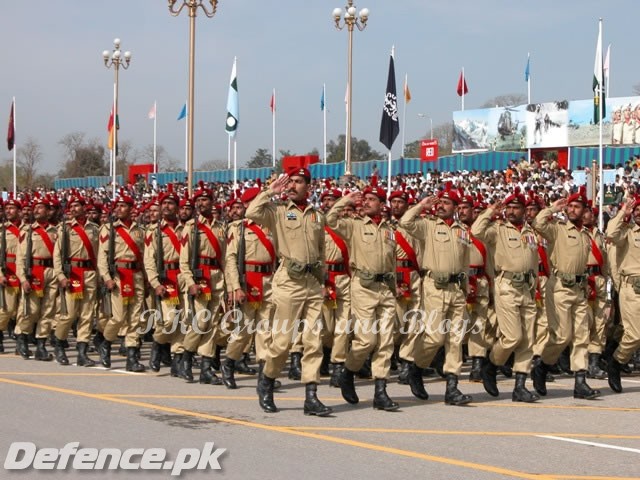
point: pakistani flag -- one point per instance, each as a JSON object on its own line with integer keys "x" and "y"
{"x": 233, "y": 114}
{"x": 598, "y": 83}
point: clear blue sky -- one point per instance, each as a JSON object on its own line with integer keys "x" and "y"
{"x": 52, "y": 64}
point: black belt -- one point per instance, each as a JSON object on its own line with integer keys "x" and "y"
{"x": 43, "y": 262}
{"x": 476, "y": 272}
{"x": 336, "y": 267}
{"x": 526, "y": 276}
{"x": 209, "y": 262}
{"x": 405, "y": 264}
{"x": 379, "y": 277}
{"x": 541, "y": 269}
{"x": 594, "y": 270}
{"x": 172, "y": 265}
{"x": 127, "y": 265}
{"x": 259, "y": 268}
{"x": 82, "y": 264}
{"x": 453, "y": 278}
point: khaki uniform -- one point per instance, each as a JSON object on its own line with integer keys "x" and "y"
{"x": 373, "y": 288}
{"x": 336, "y": 310}
{"x": 597, "y": 269}
{"x": 541, "y": 330}
{"x": 297, "y": 284}
{"x": 409, "y": 282}
{"x": 208, "y": 304}
{"x": 259, "y": 265}
{"x": 12, "y": 289}
{"x": 566, "y": 298}
{"x": 127, "y": 297}
{"x": 42, "y": 299}
{"x": 516, "y": 265}
{"x": 169, "y": 327}
{"x": 626, "y": 237}
{"x": 81, "y": 293}
{"x": 446, "y": 260}
{"x": 478, "y": 297}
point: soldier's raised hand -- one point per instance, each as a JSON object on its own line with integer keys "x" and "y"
{"x": 559, "y": 205}
{"x": 354, "y": 197}
{"x": 629, "y": 205}
{"x": 429, "y": 202}
{"x": 279, "y": 184}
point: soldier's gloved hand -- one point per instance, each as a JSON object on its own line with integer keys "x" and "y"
{"x": 160, "y": 291}
{"x": 194, "y": 290}
{"x": 110, "y": 285}
{"x": 26, "y": 287}
{"x": 64, "y": 283}
{"x": 239, "y": 296}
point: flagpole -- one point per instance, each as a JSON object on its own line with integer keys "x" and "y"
{"x": 115, "y": 137}
{"x": 464, "y": 82}
{"x": 600, "y": 153}
{"x": 273, "y": 129}
{"x": 15, "y": 155}
{"x": 404, "y": 112}
{"x": 528, "y": 97}
{"x": 186, "y": 143}
{"x": 229, "y": 153}
{"x": 607, "y": 67}
{"x": 235, "y": 164}
{"x": 324, "y": 122}
{"x": 389, "y": 174}
{"x": 155, "y": 136}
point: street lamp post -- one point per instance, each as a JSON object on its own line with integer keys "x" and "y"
{"x": 422, "y": 115}
{"x": 192, "y": 6}
{"x": 115, "y": 59}
{"x": 350, "y": 19}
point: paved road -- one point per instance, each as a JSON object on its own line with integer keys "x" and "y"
{"x": 557, "y": 438}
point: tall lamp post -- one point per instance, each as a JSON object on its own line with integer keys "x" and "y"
{"x": 115, "y": 60}
{"x": 423, "y": 115}
{"x": 350, "y": 19}
{"x": 192, "y": 6}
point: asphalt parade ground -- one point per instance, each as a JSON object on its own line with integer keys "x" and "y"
{"x": 556, "y": 438}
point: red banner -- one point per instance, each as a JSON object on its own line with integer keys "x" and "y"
{"x": 429, "y": 150}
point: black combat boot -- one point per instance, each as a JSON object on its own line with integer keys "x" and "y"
{"x": 265, "y": 393}
{"x": 507, "y": 368}
{"x": 564, "y": 361}
{"x": 215, "y": 361}
{"x": 613, "y": 373}
{"x": 403, "y": 375}
{"x": 539, "y": 376}
{"x": 489, "y": 373}
{"x": 520, "y": 392}
{"x": 416, "y": 383}
{"x": 335, "y": 375}
{"x": 326, "y": 359}
{"x": 154, "y": 359}
{"x": 226, "y": 369}
{"x": 122, "y": 349}
{"x": 581, "y": 389}
{"x": 11, "y": 328}
{"x": 176, "y": 365}
{"x": 22, "y": 346}
{"x": 98, "y": 338}
{"x": 594, "y": 370}
{"x": 207, "y": 375}
{"x": 475, "y": 375}
{"x": 635, "y": 359}
{"x": 438, "y": 362}
{"x": 313, "y": 406}
{"x": 242, "y": 365}
{"x": 395, "y": 359}
{"x": 381, "y": 400}
{"x": 105, "y": 353}
{"x": 347, "y": 386}
{"x": 58, "y": 349}
{"x": 165, "y": 354}
{"x": 1, "y": 341}
{"x": 41, "y": 351}
{"x": 83, "y": 359}
{"x": 295, "y": 370}
{"x": 452, "y": 395}
{"x": 365, "y": 371}
{"x": 186, "y": 369}
{"x": 133, "y": 365}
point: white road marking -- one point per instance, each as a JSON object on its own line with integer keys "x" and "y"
{"x": 592, "y": 444}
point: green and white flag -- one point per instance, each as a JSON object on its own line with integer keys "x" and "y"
{"x": 233, "y": 114}
{"x": 599, "y": 103}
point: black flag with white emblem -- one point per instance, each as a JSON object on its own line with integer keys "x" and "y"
{"x": 390, "y": 126}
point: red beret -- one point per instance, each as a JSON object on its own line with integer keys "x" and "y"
{"x": 186, "y": 202}
{"x": 333, "y": 192}
{"x": 300, "y": 172}
{"x": 580, "y": 197}
{"x": 76, "y": 198}
{"x": 399, "y": 194}
{"x": 124, "y": 198}
{"x": 37, "y": 200}
{"x": 516, "y": 197}
{"x": 13, "y": 201}
{"x": 449, "y": 193}
{"x": 249, "y": 194}
{"x": 377, "y": 191}
{"x": 467, "y": 199}
{"x": 169, "y": 195}
{"x": 202, "y": 191}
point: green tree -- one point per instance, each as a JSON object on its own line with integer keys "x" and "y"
{"x": 262, "y": 158}
{"x": 361, "y": 151}
{"x": 83, "y": 158}
{"x": 508, "y": 100}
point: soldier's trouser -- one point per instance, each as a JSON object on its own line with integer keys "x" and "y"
{"x": 476, "y": 338}
{"x": 42, "y": 308}
{"x": 12, "y": 299}
{"x": 203, "y": 328}
{"x": 406, "y": 329}
{"x": 541, "y": 329}
{"x": 446, "y": 324}
{"x": 516, "y": 312}
{"x": 252, "y": 319}
{"x": 597, "y": 317}
{"x": 629, "y": 308}
{"x": 166, "y": 329}
{"x": 337, "y": 320}
{"x": 127, "y": 312}
{"x": 568, "y": 323}
{"x": 79, "y": 308}
{"x": 298, "y": 304}
{"x": 374, "y": 317}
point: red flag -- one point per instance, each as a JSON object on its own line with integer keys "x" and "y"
{"x": 462, "y": 86}
{"x": 272, "y": 103}
{"x": 11, "y": 132}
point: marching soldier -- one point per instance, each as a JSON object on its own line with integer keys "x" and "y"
{"x": 75, "y": 266}
{"x": 185, "y": 212}
{"x": 626, "y": 237}
{"x": 162, "y": 266}
{"x": 373, "y": 292}
{"x": 249, "y": 267}
{"x": 566, "y": 288}
{"x": 446, "y": 260}
{"x": 8, "y": 277}
{"x": 516, "y": 263}
{"x": 34, "y": 268}
{"x": 120, "y": 264}
{"x": 297, "y": 285}
{"x": 201, "y": 261}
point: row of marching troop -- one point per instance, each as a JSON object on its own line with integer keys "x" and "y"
{"x": 367, "y": 284}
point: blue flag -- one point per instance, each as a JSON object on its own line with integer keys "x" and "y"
{"x": 183, "y": 112}
{"x": 322, "y": 100}
{"x": 526, "y": 70}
